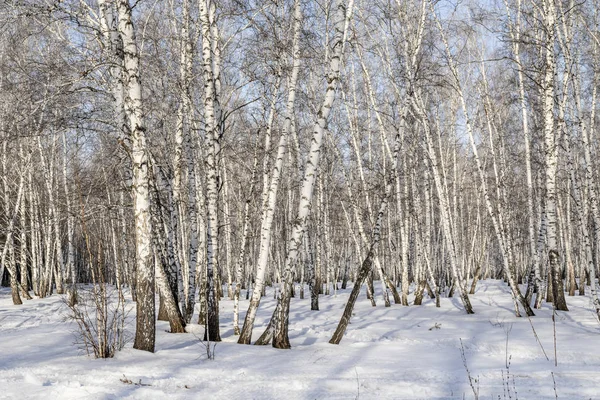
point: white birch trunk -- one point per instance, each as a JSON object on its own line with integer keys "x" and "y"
{"x": 70, "y": 228}
{"x": 227, "y": 223}
{"x": 342, "y": 18}
{"x": 35, "y": 231}
{"x": 145, "y": 274}
{"x": 268, "y": 206}
{"x": 23, "y": 237}
{"x": 551, "y": 154}
{"x": 212, "y": 115}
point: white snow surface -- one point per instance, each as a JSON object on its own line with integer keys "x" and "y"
{"x": 388, "y": 353}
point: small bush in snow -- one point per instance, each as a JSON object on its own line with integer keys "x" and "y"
{"x": 100, "y": 315}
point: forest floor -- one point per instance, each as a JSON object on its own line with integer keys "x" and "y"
{"x": 388, "y": 353}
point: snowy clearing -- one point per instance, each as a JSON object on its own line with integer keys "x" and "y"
{"x": 388, "y": 353}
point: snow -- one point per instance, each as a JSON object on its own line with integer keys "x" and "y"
{"x": 388, "y": 353}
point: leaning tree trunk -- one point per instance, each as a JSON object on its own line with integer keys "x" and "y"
{"x": 167, "y": 294}
{"x": 355, "y": 137}
{"x": 281, "y": 314}
{"x": 268, "y": 207}
{"x": 368, "y": 262}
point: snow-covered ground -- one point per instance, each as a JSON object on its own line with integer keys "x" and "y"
{"x": 388, "y": 353}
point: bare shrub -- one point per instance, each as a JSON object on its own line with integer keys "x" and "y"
{"x": 100, "y": 314}
{"x": 98, "y": 308}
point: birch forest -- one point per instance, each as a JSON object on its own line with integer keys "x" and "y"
{"x": 182, "y": 154}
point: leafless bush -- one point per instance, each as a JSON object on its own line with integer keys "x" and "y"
{"x": 100, "y": 315}
{"x": 99, "y": 308}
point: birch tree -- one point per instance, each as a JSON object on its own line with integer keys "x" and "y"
{"x": 212, "y": 116}
{"x": 268, "y": 205}
{"x": 145, "y": 275}
{"x": 343, "y": 14}
{"x": 551, "y": 154}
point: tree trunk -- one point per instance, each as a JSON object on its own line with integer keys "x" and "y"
{"x": 145, "y": 309}
{"x": 268, "y": 206}
{"x": 280, "y": 330}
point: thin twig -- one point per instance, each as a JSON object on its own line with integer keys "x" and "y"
{"x": 554, "y": 329}
{"x": 464, "y": 359}
{"x": 357, "y": 384}
{"x": 537, "y": 338}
